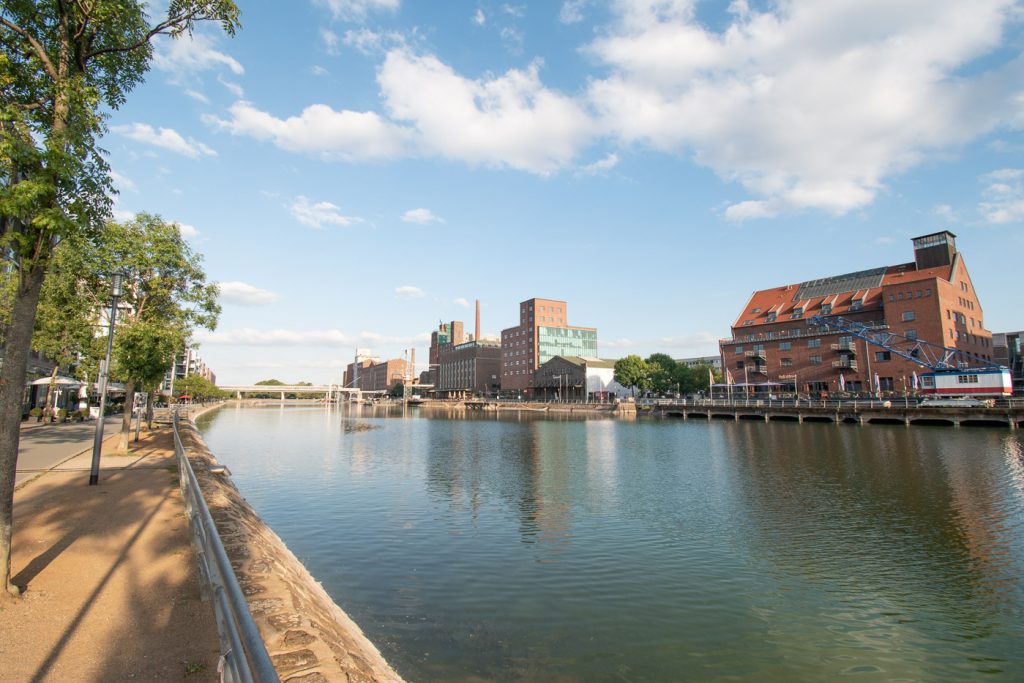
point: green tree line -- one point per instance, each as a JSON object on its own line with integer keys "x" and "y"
{"x": 661, "y": 374}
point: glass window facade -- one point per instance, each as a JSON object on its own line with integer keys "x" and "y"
{"x": 564, "y": 341}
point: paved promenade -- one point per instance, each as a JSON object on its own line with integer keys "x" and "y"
{"x": 111, "y": 590}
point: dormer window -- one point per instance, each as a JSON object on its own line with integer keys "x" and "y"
{"x": 797, "y": 313}
{"x": 856, "y": 304}
{"x": 826, "y": 309}
{"x": 771, "y": 317}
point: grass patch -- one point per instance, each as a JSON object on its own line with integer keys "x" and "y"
{"x": 194, "y": 668}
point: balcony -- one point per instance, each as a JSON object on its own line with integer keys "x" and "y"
{"x": 754, "y": 354}
{"x": 845, "y": 364}
{"x": 845, "y": 346}
{"x": 757, "y": 369}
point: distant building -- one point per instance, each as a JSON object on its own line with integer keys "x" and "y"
{"x": 469, "y": 368}
{"x": 714, "y": 362}
{"x": 577, "y": 379}
{"x": 376, "y": 375}
{"x": 1006, "y": 350}
{"x": 931, "y": 298}
{"x": 186, "y": 363}
{"x": 543, "y": 332}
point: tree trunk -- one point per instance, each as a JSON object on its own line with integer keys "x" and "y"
{"x": 149, "y": 409}
{"x": 12, "y": 391}
{"x": 126, "y": 419}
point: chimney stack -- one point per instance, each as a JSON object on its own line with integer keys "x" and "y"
{"x": 477, "y": 337}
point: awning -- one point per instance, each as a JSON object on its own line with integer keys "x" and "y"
{"x": 64, "y": 381}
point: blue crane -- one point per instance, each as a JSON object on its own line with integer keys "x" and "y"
{"x": 932, "y": 356}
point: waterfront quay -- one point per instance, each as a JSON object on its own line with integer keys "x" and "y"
{"x": 1006, "y": 413}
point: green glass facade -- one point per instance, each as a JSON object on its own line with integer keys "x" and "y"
{"x": 565, "y": 341}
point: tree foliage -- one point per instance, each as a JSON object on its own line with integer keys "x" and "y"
{"x": 63, "y": 65}
{"x": 198, "y": 388}
{"x": 632, "y": 371}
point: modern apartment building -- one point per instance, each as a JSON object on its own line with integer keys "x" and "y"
{"x": 543, "y": 332}
{"x": 930, "y": 298}
{"x": 186, "y": 363}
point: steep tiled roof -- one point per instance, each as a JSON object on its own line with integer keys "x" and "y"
{"x": 838, "y": 292}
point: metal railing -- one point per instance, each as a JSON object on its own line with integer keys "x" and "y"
{"x": 244, "y": 657}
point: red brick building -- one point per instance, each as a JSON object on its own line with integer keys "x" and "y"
{"x": 931, "y": 298}
{"x": 376, "y": 375}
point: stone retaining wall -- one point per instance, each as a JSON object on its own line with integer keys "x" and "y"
{"x": 309, "y": 638}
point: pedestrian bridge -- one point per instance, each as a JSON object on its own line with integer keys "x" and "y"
{"x": 332, "y": 392}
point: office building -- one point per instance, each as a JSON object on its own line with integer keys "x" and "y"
{"x": 1006, "y": 350}
{"x": 543, "y": 332}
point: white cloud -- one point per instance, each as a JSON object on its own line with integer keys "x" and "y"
{"x": 357, "y": 10}
{"x": 330, "y": 39}
{"x": 232, "y": 87}
{"x": 191, "y": 54}
{"x": 409, "y": 292}
{"x": 243, "y": 294}
{"x": 945, "y": 212}
{"x": 165, "y": 138}
{"x": 319, "y": 131}
{"x": 479, "y": 18}
{"x": 509, "y": 120}
{"x": 198, "y": 96}
{"x": 372, "y": 42}
{"x": 606, "y": 164}
{"x": 123, "y": 183}
{"x": 807, "y": 104}
{"x": 617, "y": 343}
{"x": 572, "y": 11}
{"x": 248, "y": 336}
{"x": 462, "y": 301}
{"x": 421, "y": 216}
{"x": 318, "y": 70}
{"x": 188, "y": 232}
{"x": 319, "y": 214}
{"x": 1004, "y": 196}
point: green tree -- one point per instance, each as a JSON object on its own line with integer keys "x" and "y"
{"x": 662, "y": 372}
{"x": 165, "y": 297}
{"x": 62, "y": 65}
{"x": 199, "y": 388}
{"x": 632, "y": 372}
{"x": 67, "y": 314}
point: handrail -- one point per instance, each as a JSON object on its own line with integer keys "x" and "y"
{"x": 244, "y": 657}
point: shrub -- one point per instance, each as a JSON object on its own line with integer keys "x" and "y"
{"x": 35, "y": 412}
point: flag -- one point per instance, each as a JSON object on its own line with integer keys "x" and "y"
{"x": 728, "y": 376}
{"x": 913, "y": 381}
{"x": 711, "y": 378}
{"x": 878, "y": 386}
{"x": 842, "y": 382}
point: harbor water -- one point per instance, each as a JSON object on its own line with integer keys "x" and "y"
{"x": 524, "y": 547}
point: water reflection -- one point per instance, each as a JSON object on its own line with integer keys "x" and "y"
{"x": 514, "y": 547}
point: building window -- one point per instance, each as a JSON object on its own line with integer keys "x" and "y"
{"x": 882, "y": 356}
{"x": 738, "y": 349}
{"x": 901, "y": 296}
{"x": 908, "y": 316}
{"x": 771, "y": 317}
{"x": 911, "y": 334}
{"x": 786, "y": 362}
{"x": 814, "y": 360}
{"x": 856, "y": 304}
{"x": 891, "y": 298}
{"x": 919, "y": 294}
{"x": 756, "y": 310}
{"x": 748, "y": 323}
{"x": 814, "y": 343}
{"x": 785, "y": 346}
{"x": 739, "y": 365}
{"x": 826, "y": 309}
{"x": 928, "y": 292}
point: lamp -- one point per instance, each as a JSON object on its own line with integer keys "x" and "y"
{"x": 116, "y": 290}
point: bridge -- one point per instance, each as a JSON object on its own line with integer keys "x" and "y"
{"x": 332, "y": 392}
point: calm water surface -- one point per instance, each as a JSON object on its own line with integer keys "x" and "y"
{"x": 588, "y": 550}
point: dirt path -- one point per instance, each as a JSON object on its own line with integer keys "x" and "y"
{"x": 111, "y": 586}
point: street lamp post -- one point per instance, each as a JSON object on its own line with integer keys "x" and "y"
{"x": 97, "y": 444}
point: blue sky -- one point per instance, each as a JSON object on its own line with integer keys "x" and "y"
{"x": 355, "y": 171}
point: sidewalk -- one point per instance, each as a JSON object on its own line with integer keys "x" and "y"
{"x": 111, "y": 588}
